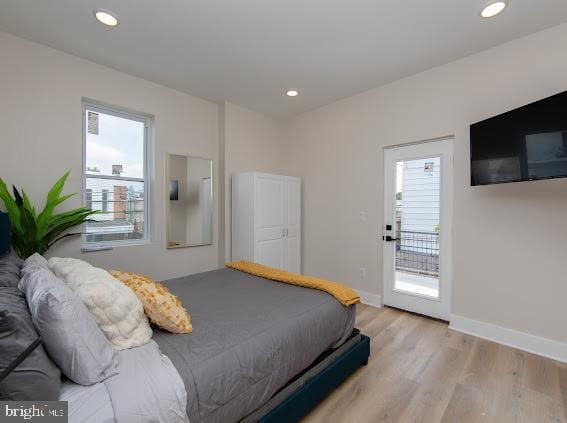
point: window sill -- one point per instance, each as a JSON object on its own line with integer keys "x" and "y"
{"x": 90, "y": 248}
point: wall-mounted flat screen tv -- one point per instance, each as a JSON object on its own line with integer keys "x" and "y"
{"x": 525, "y": 144}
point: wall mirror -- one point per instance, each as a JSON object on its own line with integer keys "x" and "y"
{"x": 189, "y": 211}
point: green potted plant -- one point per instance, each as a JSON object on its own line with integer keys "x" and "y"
{"x": 33, "y": 232}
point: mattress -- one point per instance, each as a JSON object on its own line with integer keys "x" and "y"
{"x": 250, "y": 337}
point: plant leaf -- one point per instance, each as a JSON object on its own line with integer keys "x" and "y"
{"x": 51, "y": 202}
{"x": 63, "y": 236}
{"x": 18, "y": 197}
{"x": 36, "y": 233}
{"x": 55, "y": 232}
{"x": 60, "y": 225}
{"x": 29, "y": 227}
{"x": 64, "y": 198}
{"x": 63, "y": 218}
{"x": 68, "y": 213}
{"x": 11, "y": 207}
{"x": 28, "y": 205}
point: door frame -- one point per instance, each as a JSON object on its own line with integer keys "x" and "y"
{"x": 439, "y": 308}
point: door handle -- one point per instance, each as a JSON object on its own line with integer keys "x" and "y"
{"x": 388, "y": 238}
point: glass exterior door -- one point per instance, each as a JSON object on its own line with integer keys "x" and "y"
{"x": 417, "y": 228}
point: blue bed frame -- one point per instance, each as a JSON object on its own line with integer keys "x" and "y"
{"x": 4, "y": 233}
{"x": 298, "y": 404}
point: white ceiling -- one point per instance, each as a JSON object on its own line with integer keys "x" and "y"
{"x": 250, "y": 51}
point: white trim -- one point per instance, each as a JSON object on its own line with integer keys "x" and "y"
{"x": 369, "y": 298}
{"x": 523, "y": 341}
{"x": 113, "y": 178}
{"x": 405, "y": 144}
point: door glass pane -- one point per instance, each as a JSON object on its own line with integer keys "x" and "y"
{"x": 417, "y": 226}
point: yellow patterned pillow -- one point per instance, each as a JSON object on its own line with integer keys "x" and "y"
{"x": 162, "y": 307}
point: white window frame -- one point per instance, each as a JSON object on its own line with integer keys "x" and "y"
{"x": 147, "y": 120}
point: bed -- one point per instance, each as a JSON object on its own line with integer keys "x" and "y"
{"x": 259, "y": 349}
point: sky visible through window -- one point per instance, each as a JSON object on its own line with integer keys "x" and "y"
{"x": 119, "y": 141}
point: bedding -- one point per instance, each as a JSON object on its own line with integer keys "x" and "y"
{"x": 70, "y": 335}
{"x": 116, "y": 309}
{"x": 345, "y": 295}
{"x": 87, "y": 404}
{"x": 37, "y": 377}
{"x": 162, "y": 307}
{"x": 250, "y": 337}
{"x": 146, "y": 389}
{"x": 35, "y": 260}
{"x": 10, "y": 270}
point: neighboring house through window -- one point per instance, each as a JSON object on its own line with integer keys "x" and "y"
{"x": 89, "y": 202}
{"x": 105, "y": 200}
{"x": 115, "y": 175}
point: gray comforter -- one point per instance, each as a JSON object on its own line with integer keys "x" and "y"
{"x": 250, "y": 337}
{"x": 146, "y": 389}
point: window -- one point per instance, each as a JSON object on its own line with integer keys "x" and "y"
{"x": 89, "y": 198}
{"x": 105, "y": 200}
{"x": 115, "y": 175}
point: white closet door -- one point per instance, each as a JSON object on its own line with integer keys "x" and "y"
{"x": 269, "y": 221}
{"x": 292, "y": 224}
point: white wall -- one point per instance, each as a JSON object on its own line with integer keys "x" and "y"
{"x": 40, "y": 121}
{"x": 337, "y": 150}
{"x": 510, "y": 241}
{"x": 250, "y": 141}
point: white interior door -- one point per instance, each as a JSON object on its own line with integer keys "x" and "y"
{"x": 417, "y": 231}
{"x": 269, "y": 221}
{"x": 292, "y": 231}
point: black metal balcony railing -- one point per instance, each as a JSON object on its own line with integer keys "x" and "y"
{"x": 120, "y": 219}
{"x": 418, "y": 252}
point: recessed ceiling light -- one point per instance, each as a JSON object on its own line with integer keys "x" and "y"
{"x": 292, "y": 93}
{"x": 493, "y": 8}
{"x": 106, "y": 17}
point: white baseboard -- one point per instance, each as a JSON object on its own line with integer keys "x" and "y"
{"x": 510, "y": 337}
{"x": 369, "y": 298}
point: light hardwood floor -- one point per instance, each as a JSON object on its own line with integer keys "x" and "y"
{"x": 421, "y": 371}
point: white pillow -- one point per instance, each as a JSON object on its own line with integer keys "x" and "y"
{"x": 117, "y": 310}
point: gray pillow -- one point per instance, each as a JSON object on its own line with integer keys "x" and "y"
{"x": 70, "y": 334}
{"x": 10, "y": 269}
{"x": 35, "y": 378}
{"x": 35, "y": 260}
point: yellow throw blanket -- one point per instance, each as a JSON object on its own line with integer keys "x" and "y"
{"x": 345, "y": 295}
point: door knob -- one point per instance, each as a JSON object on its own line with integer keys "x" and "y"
{"x": 388, "y": 238}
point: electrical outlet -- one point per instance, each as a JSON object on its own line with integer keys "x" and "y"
{"x": 362, "y": 272}
{"x": 363, "y": 215}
